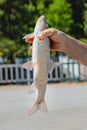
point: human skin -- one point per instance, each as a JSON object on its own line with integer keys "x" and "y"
{"x": 60, "y": 41}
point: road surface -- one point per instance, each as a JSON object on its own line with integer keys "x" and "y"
{"x": 67, "y": 108}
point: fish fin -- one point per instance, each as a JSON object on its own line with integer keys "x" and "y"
{"x": 29, "y": 37}
{"x": 27, "y": 65}
{"x": 34, "y": 108}
{"x": 51, "y": 66}
{"x": 42, "y": 106}
{"x": 32, "y": 88}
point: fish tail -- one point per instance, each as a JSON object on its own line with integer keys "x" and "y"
{"x": 39, "y": 105}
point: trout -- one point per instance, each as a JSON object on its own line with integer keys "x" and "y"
{"x": 40, "y": 63}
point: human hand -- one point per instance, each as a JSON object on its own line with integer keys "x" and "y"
{"x": 56, "y": 37}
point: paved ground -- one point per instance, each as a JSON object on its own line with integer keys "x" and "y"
{"x": 67, "y": 106}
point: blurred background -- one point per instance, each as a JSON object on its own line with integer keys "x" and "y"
{"x": 18, "y": 18}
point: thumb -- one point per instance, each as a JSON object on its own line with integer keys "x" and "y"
{"x": 29, "y": 40}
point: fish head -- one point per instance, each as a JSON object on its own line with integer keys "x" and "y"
{"x": 41, "y": 24}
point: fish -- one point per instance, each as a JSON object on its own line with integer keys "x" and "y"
{"x": 41, "y": 64}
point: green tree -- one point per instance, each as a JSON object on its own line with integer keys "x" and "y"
{"x": 77, "y": 15}
{"x": 16, "y": 19}
{"x": 19, "y": 17}
{"x": 85, "y": 20}
{"x": 59, "y": 15}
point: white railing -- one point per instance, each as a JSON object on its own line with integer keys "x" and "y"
{"x": 14, "y": 73}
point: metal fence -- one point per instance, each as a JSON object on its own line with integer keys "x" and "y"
{"x": 66, "y": 70}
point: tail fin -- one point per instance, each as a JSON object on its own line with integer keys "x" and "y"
{"x": 42, "y": 106}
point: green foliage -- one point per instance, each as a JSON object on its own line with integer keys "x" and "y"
{"x": 59, "y": 15}
{"x": 6, "y": 46}
{"x": 18, "y": 18}
{"x": 83, "y": 40}
{"x": 2, "y": 1}
{"x": 77, "y": 15}
{"x": 22, "y": 51}
{"x": 14, "y": 23}
{"x": 85, "y": 19}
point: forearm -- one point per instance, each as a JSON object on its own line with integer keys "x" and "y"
{"x": 64, "y": 43}
{"x": 76, "y": 49}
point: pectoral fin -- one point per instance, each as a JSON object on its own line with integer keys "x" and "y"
{"x": 29, "y": 37}
{"x": 28, "y": 65}
{"x": 51, "y": 66}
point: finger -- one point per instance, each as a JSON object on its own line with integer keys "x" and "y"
{"x": 29, "y": 40}
{"x": 46, "y": 33}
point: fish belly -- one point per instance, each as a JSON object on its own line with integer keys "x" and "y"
{"x": 41, "y": 58}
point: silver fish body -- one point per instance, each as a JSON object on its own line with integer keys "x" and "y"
{"x": 41, "y": 64}
{"x": 41, "y": 60}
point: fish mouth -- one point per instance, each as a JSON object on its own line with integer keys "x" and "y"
{"x": 42, "y": 17}
{"x": 43, "y": 21}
